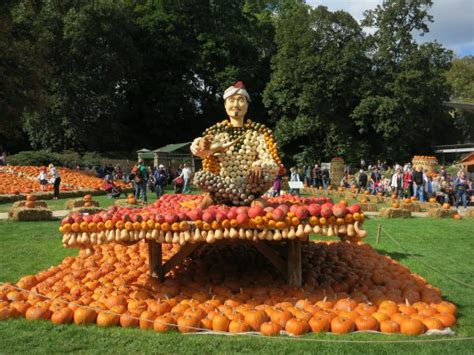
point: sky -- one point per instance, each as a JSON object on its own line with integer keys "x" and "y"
{"x": 453, "y": 24}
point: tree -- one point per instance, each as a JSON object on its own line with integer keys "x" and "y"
{"x": 20, "y": 79}
{"x": 404, "y": 102}
{"x": 461, "y": 78}
{"x": 317, "y": 77}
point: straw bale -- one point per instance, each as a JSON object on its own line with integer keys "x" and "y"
{"x": 441, "y": 213}
{"x": 31, "y": 214}
{"x": 394, "y": 213}
{"x": 88, "y": 210}
{"x": 368, "y": 207}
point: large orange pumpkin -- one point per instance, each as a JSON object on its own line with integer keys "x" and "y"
{"x": 270, "y": 329}
{"x": 341, "y": 325}
{"x": 84, "y": 316}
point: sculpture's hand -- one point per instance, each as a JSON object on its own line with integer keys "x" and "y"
{"x": 201, "y": 146}
{"x": 218, "y": 147}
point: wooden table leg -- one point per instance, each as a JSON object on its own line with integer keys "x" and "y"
{"x": 179, "y": 257}
{"x": 294, "y": 263}
{"x": 155, "y": 259}
{"x": 272, "y": 256}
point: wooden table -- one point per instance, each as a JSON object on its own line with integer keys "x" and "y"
{"x": 289, "y": 267}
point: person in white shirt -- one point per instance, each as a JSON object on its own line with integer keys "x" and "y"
{"x": 294, "y": 176}
{"x": 54, "y": 179}
{"x": 43, "y": 179}
{"x": 186, "y": 174}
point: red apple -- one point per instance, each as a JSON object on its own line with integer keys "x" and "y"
{"x": 67, "y": 219}
{"x": 354, "y": 208}
{"x": 208, "y": 215}
{"x": 256, "y": 211}
{"x": 326, "y": 210}
{"x": 171, "y": 217}
{"x": 242, "y": 219}
{"x": 339, "y": 210}
{"x": 278, "y": 214}
{"x": 314, "y": 209}
{"x": 301, "y": 212}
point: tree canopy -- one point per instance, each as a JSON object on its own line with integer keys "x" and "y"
{"x": 121, "y": 75}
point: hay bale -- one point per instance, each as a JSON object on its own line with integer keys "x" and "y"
{"x": 469, "y": 214}
{"x": 79, "y": 202}
{"x": 441, "y": 213}
{"x": 88, "y": 210}
{"x": 22, "y": 204}
{"x": 425, "y": 206}
{"x": 31, "y": 214}
{"x": 376, "y": 199}
{"x": 394, "y": 213}
{"x": 124, "y": 203}
{"x": 368, "y": 207}
{"x": 412, "y": 207}
{"x": 10, "y": 198}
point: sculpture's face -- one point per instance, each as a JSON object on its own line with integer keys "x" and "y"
{"x": 236, "y": 106}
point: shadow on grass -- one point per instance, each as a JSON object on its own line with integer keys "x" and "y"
{"x": 396, "y": 255}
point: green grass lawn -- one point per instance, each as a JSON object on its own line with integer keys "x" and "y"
{"x": 446, "y": 245}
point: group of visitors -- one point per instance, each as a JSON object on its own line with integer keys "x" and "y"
{"x": 407, "y": 181}
{"x": 50, "y": 176}
{"x": 155, "y": 179}
{"x": 380, "y": 178}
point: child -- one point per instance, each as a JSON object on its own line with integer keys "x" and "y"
{"x": 43, "y": 179}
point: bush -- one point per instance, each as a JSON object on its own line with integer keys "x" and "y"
{"x": 38, "y": 158}
{"x": 69, "y": 159}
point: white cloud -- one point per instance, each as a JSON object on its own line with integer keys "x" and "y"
{"x": 453, "y": 24}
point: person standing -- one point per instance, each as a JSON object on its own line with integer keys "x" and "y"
{"x": 43, "y": 179}
{"x": 325, "y": 178}
{"x": 317, "y": 174}
{"x": 294, "y": 176}
{"x": 418, "y": 184}
{"x": 186, "y": 174}
{"x": 460, "y": 189}
{"x": 141, "y": 178}
{"x": 397, "y": 183}
{"x": 362, "y": 181}
{"x": 408, "y": 182}
{"x": 55, "y": 179}
{"x": 160, "y": 180}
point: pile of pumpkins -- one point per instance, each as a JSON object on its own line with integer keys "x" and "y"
{"x": 347, "y": 287}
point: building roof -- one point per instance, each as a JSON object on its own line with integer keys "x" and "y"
{"x": 143, "y": 150}
{"x": 147, "y": 155}
{"x": 460, "y": 105}
{"x": 468, "y": 159}
{"x": 173, "y": 147}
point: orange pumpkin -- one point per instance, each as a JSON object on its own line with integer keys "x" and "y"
{"x": 128, "y": 320}
{"x": 188, "y": 324}
{"x": 270, "y": 329}
{"x": 84, "y": 316}
{"x": 297, "y": 326}
{"x": 389, "y": 326}
{"x": 319, "y": 324}
{"x": 366, "y": 322}
{"x": 239, "y": 326}
{"x": 220, "y": 323}
{"x": 255, "y": 318}
{"x": 342, "y": 325}
{"x": 411, "y": 326}
{"x": 107, "y": 319}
